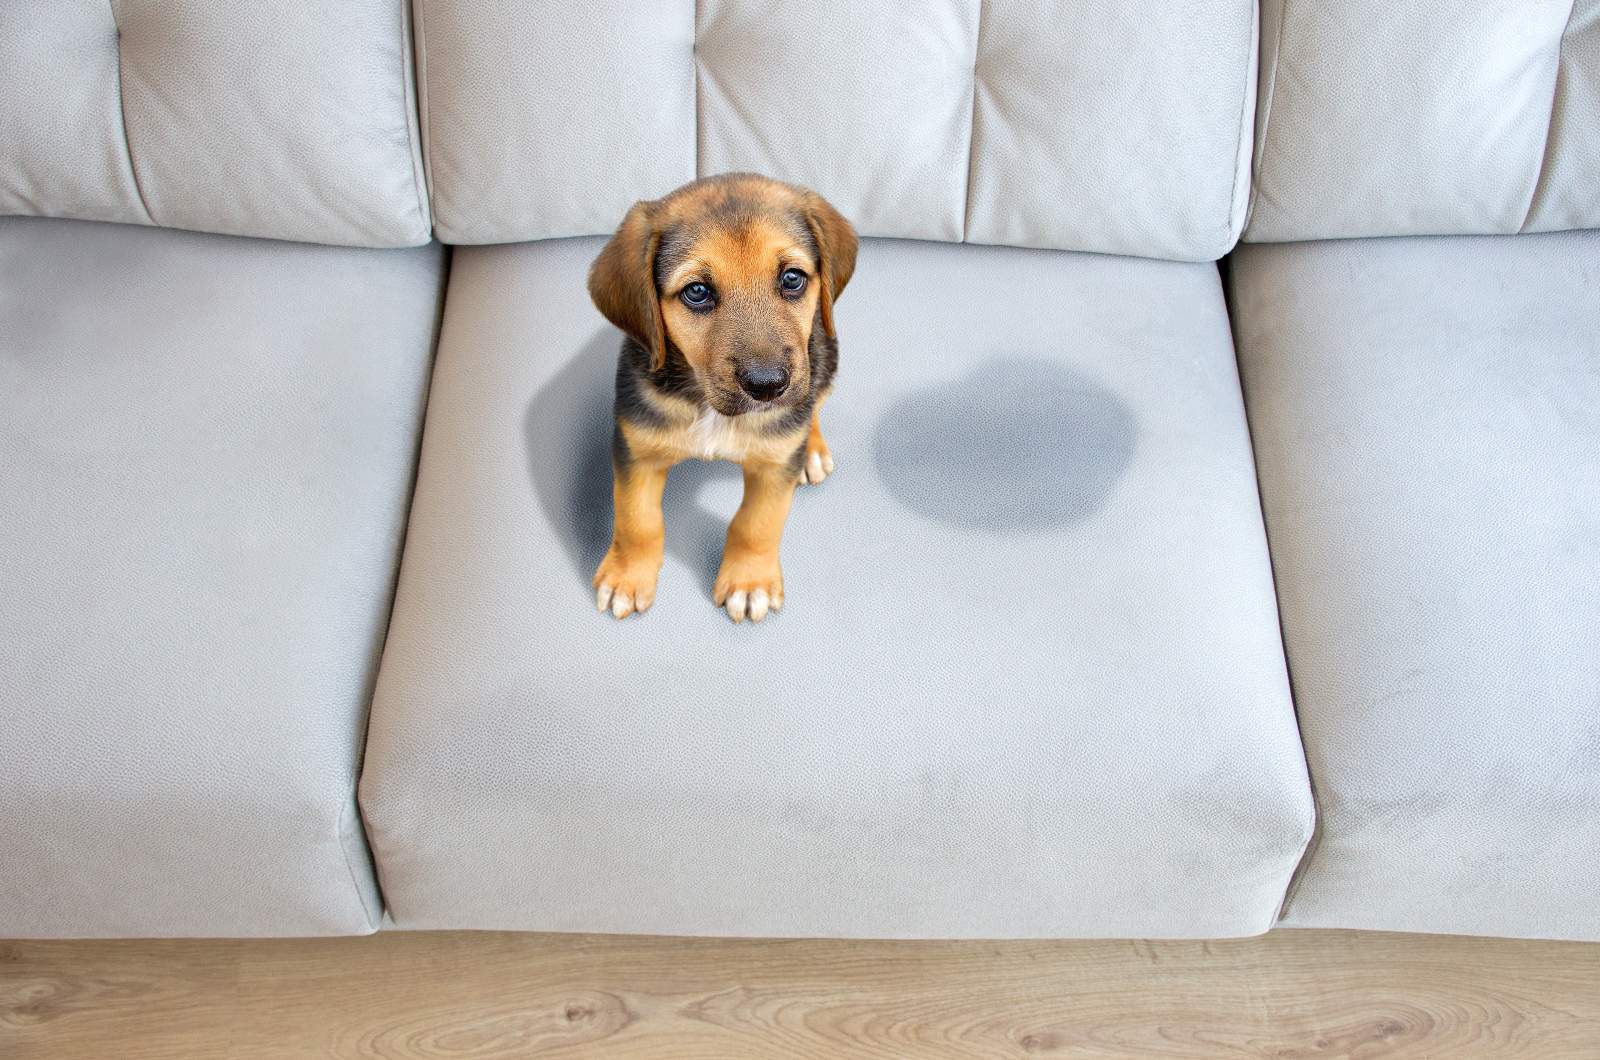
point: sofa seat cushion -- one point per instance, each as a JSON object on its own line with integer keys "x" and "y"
{"x": 1427, "y": 421}
{"x": 206, "y": 450}
{"x": 1027, "y": 680}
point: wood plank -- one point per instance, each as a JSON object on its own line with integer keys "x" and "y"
{"x": 153, "y": 1000}
{"x": 477, "y": 996}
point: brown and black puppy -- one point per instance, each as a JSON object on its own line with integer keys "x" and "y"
{"x": 725, "y": 290}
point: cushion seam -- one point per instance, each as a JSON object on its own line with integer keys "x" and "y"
{"x": 972, "y": 128}
{"x": 696, "y": 90}
{"x": 371, "y": 916}
{"x": 1246, "y": 97}
{"x": 421, "y": 187}
{"x": 1260, "y": 153}
{"x": 1313, "y": 844}
{"x": 122, "y": 113}
{"x": 1550, "y": 123}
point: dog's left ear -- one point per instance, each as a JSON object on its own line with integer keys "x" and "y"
{"x": 622, "y": 282}
{"x": 836, "y": 247}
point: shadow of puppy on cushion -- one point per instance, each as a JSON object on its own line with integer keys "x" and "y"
{"x": 567, "y": 430}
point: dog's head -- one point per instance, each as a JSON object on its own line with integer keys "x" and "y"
{"x": 733, "y": 274}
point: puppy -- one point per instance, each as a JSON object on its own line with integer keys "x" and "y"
{"x": 725, "y": 291}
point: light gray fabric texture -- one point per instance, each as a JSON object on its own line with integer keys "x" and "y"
{"x": 1027, "y": 680}
{"x": 539, "y": 120}
{"x": 1111, "y": 126}
{"x": 1435, "y": 117}
{"x": 1426, "y": 415}
{"x": 291, "y": 119}
{"x": 206, "y": 450}
{"x": 1568, "y": 194}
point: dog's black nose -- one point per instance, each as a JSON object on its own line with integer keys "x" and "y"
{"x": 763, "y": 381}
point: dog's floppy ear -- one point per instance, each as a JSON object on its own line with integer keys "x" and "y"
{"x": 836, "y": 247}
{"x": 622, "y": 282}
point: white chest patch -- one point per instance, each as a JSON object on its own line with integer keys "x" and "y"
{"x": 714, "y": 436}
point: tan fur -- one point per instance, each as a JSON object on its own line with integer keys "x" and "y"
{"x": 737, "y": 235}
{"x": 742, "y": 265}
{"x": 626, "y": 580}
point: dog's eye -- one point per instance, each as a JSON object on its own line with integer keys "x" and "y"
{"x": 696, "y": 296}
{"x": 792, "y": 281}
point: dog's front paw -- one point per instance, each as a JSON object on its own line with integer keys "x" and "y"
{"x": 624, "y": 585}
{"x": 748, "y": 586}
{"x": 818, "y": 462}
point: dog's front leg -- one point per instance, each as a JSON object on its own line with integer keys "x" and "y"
{"x": 626, "y": 580}
{"x": 751, "y": 582}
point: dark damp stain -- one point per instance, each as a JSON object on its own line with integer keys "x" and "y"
{"x": 1017, "y": 445}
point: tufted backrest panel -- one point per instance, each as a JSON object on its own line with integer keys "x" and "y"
{"x": 1104, "y": 125}
{"x": 292, "y": 119}
{"x": 1427, "y": 117}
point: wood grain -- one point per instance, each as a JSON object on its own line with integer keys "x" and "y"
{"x": 470, "y": 996}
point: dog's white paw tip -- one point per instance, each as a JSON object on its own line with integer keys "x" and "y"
{"x": 814, "y": 472}
{"x": 816, "y": 467}
{"x": 758, "y": 605}
{"x": 602, "y": 598}
{"x": 736, "y": 605}
{"x": 622, "y": 605}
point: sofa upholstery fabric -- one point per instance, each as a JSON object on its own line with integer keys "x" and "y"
{"x": 1027, "y": 681}
{"x": 1110, "y": 126}
{"x": 1426, "y": 415}
{"x": 206, "y": 451}
{"x": 1426, "y": 118}
{"x": 282, "y": 118}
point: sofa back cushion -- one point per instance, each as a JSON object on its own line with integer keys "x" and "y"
{"x": 285, "y": 118}
{"x": 1104, "y": 125}
{"x": 1427, "y": 117}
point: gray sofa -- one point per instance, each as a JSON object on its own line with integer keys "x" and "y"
{"x": 1152, "y": 597}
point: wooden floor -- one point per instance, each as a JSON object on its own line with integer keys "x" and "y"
{"x": 1292, "y": 994}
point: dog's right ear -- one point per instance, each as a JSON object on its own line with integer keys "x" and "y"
{"x": 622, "y": 282}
